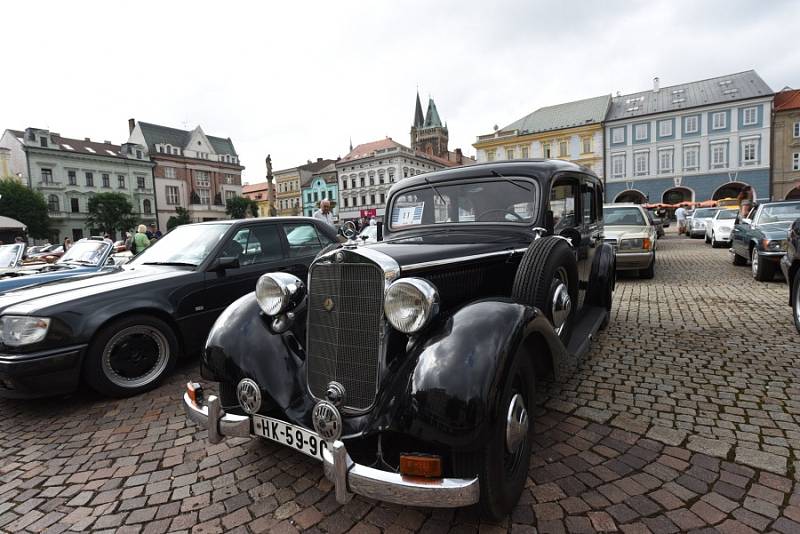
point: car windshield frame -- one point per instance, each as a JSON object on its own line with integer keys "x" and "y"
{"x": 13, "y": 257}
{"x": 100, "y": 246}
{"x": 607, "y": 209}
{"x": 440, "y": 190}
{"x": 169, "y": 251}
{"x": 789, "y": 217}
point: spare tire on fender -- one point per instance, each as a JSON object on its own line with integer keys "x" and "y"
{"x": 547, "y": 278}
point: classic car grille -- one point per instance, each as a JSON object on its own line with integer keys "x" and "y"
{"x": 344, "y": 340}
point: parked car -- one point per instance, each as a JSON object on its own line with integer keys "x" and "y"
{"x": 762, "y": 238}
{"x": 11, "y": 257}
{"x": 121, "y": 331}
{"x": 47, "y": 255}
{"x": 630, "y": 232}
{"x": 719, "y": 228}
{"x": 88, "y": 255}
{"x": 407, "y": 366}
{"x": 369, "y": 234}
{"x": 700, "y": 218}
{"x": 790, "y": 265}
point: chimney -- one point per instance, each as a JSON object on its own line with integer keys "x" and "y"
{"x": 87, "y": 139}
{"x": 655, "y": 84}
{"x": 131, "y": 125}
{"x": 319, "y": 159}
{"x": 459, "y": 156}
{"x": 106, "y": 142}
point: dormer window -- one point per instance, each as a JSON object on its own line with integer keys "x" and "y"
{"x": 43, "y": 141}
{"x": 32, "y": 136}
{"x": 138, "y": 154}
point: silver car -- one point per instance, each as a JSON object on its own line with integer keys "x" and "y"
{"x": 700, "y": 219}
{"x": 629, "y": 230}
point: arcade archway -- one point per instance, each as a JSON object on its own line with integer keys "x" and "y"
{"x": 676, "y": 195}
{"x": 731, "y": 190}
{"x": 631, "y": 195}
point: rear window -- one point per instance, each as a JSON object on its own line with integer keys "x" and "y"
{"x": 623, "y": 217}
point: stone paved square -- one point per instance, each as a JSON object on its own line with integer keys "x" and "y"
{"x": 685, "y": 416}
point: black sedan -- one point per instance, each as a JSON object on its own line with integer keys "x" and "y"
{"x": 122, "y": 331}
{"x": 790, "y": 265}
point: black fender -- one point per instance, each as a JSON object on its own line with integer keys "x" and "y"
{"x": 461, "y": 365}
{"x": 241, "y": 344}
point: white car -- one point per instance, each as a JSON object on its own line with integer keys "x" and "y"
{"x": 369, "y": 234}
{"x": 700, "y": 219}
{"x": 719, "y": 228}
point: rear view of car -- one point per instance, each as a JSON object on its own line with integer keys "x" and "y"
{"x": 700, "y": 218}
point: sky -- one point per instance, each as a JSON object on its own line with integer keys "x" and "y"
{"x": 299, "y": 80}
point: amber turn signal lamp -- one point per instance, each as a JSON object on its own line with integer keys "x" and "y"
{"x": 420, "y": 465}
{"x": 646, "y": 243}
{"x": 195, "y": 392}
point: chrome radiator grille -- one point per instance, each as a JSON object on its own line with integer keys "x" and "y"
{"x": 345, "y": 319}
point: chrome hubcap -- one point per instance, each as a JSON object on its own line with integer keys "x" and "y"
{"x": 561, "y": 305}
{"x": 516, "y": 423}
{"x": 754, "y": 262}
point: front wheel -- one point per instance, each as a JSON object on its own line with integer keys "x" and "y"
{"x": 130, "y": 355}
{"x": 763, "y": 270}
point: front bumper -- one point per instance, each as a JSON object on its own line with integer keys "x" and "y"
{"x": 772, "y": 256}
{"x": 40, "y": 374}
{"x": 349, "y": 478}
{"x": 628, "y": 261}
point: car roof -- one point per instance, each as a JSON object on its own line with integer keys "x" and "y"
{"x": 293, "y": 218}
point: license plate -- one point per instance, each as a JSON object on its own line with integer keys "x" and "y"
{"x": 290, "y": 435}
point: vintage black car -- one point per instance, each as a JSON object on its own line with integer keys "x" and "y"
{"x": 790, "y": 266}
{"x": 761, "y": 237}
{"x": 122, "y": 330}
{"x": 414, "y": 359}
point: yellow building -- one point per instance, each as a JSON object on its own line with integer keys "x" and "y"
{"x": 287, "y": 192}
{"x": 571, "y": 131}
{"x": 260, "y": 193}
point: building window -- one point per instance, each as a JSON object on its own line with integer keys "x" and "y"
{"x": 749, "y": 152}
{"x": 175, "y": 151}
{"x": 524, "y": 152}
{"x": 795, "y": 163}
{"x": 562, "y": 149}
{"x": 346, "y": 202}
{"x": 546, "y": 152}
{"x": 202, "y": 178}
{"x": 489, "y": 157}
{"x": 796, "y": 129}
{"x": 72, "y": 178}
{"x": 587, "y": 145}
{"x": 665, "y": 161}
{"x": 147, "y": 208}
{"x": 749, "y": 116}
{"x": 719, "y": 155}
{"x": 140, "y": 182}
{"x": 74, "y": 205}
{"x": 690, "y": 124}
{"x": 169, "y": 172}
{"x": 52, "y": 201}
{"x": 364, "y": 200}
{"x": 138, "y": 154}
{"x": 641, "y": 163}
{"x": 391, "y": 176}
{"x": 106, "y": 180}
{"x": 509, "y": 153}
{"x": 640, "y": 132}
{"x": 718, "y": 120}
{"x": 43, "y": 141}
{"x": 121, "y": 181}
{"x": 372, "y": 199}
{"x": 618, "y": 165}
{"x": 89, "y": 179}
{"x": 230, "y": 179}
{"x": 230, "y": 194}
{"x": 690, "y": 158}
{"x": 172, "y": 195}
{"x": 618, "y": 135}
{"x": 205, "y": 196}
{"x": 47, "y": 176}
{"x": 665, "y": 128}
{"x": 383, "y": 198}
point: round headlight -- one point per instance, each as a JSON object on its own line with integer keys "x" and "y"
{"x": 275, "y": 292}
{"x": 410, "y": 304}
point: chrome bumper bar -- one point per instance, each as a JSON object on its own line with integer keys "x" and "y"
{"x": 350, "y": 478}
{"x": 218, "y": 423}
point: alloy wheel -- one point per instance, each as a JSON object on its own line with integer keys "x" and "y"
{"x": 754, "y": 263}
{"x": 135, "y": 356}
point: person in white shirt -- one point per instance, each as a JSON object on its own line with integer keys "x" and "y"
{"x": 680, "y": 215}
{"x": 324, "y": 212}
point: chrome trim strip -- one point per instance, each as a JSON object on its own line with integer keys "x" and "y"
{"x": 351, "y": 478}
{"x": 450, "y": 261}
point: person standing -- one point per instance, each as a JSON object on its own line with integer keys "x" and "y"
{"x": 680, "y": 215}
{"x": 324, "y": 212}
{"x": 67, "y": 244}
{"x": 140, "y": 240}
{"x": 154, "y": 232}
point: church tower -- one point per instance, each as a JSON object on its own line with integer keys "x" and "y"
{"x": 428, "y": 134}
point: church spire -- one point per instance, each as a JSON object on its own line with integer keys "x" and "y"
{"x": 418, "y": 118}
{"x": 432, "y": 119}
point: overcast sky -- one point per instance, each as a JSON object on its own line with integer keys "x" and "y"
{"x": 299, "y": 79}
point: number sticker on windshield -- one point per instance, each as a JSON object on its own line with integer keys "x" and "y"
{"x": 408, "y": 214}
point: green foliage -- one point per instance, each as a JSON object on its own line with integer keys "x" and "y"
{"x": 237, "y": 207}
{"x": 110, "y": 212}
{"x": 25, "y": 205}
{"x": 181, "y": 217}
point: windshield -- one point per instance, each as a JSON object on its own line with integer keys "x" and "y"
{"x": 187, "y": 245}
{"x": 623, "y": 217}
{"x": 727, "y": 214}
{"x": 9, "y": 255}
{"x": 704, "y": 213}
{"x": 779, "y": 213}
{"x": 510, "y": 200}
{"x": 85, "y": 253}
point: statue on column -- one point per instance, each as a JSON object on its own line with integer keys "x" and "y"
{"x": 270, "y": 188}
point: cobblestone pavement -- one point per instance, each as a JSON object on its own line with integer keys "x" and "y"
{"x": 684, "y": 417}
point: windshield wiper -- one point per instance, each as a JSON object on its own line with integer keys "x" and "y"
{"x": 509, "y": 180}
{"x": 177, "y": 263}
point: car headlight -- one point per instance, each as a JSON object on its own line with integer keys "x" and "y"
{"x": 775, "y": 245}
{"x": 641, "y": 243}
{"x": 410, "y": 304}
{"x": 724, "y": 228}
{"x": 20, "y": 330}
{"x": 278, "y": 292}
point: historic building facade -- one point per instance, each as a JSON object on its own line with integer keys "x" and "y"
{"x": 572, "y": 131}
{"x": 429, "y": 136}
{"x": 260, "y": 194}
{"x": 68, "y": 172}
{"x": 321, "y": 185}
{"x": 289, "y": 184}
{"x": 690, "y": 142}
{"x": 786, "y": 145}
{"x": 192, "y": 170}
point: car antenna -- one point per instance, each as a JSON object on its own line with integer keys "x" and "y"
{"x": 435, "y": 190}
{"x": 509, "y": 180}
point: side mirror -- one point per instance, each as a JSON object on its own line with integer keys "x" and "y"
{"x": 223, "y": 263}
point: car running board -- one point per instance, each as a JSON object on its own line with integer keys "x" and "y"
{"x": 585, "y": 330}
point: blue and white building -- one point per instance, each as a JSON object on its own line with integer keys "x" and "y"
{"x": 321, "y": 185}
{"x": 690, "y": 142}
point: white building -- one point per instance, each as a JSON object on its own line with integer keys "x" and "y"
{"x": 68, "y": 172}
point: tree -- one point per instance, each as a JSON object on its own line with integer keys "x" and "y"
{"x": 25, "y": 205}
{"x": 111, "y": 211}
{"x": 181, "y": 217}
{"x": 237, "y": 207}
